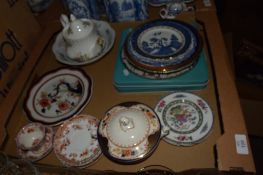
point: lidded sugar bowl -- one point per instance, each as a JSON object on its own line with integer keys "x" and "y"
{"x": 129, "y": 132}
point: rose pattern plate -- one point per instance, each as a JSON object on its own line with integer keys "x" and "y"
{"x": 40, "y": 152}
{"x": 58, "y": 95}
{"x": 188, "y": 116}
{"x": 75, "y": 142}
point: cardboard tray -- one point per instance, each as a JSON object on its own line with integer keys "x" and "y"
{"x": 226, "y": 148}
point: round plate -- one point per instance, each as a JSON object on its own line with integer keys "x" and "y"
{"x": 163, "y": 44}
{"x": 75, "y": 142}
{"x": 104, "y": 29}
{"x": 188, "y": 116}
{"x": 112, "y": 133}
{"x": 58, "y": 95}
{"x": 40, "y": 152}
{"x": 155, "y": 75}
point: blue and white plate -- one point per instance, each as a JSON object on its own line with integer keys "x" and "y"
{"x": 163, "y": 43}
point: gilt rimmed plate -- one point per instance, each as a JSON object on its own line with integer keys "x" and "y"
{"x": 188, "y": 116}
{"x": 58, "y": 95}
{"x": 104, "y": 30}
{"x": 163, "y": 43}
{"x": 155, "y": 75}
{"x": 76, "y": 143}
{"x": 40, "y": 152}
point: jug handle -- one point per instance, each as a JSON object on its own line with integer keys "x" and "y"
{"x": 64, "y": 20}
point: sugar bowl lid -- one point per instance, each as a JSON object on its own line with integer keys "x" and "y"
{"x": 125, "y": 130}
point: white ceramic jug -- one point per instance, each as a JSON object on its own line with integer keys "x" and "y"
{"x": 82, "y": 39}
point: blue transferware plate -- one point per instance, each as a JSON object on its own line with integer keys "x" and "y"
{"x": 162, "y": 43}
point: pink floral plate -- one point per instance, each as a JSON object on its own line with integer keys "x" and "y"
{"x": 58, "y": 95}
{"x": 40, "y": 152}
{"x": 76, "y": 143}
{"x": 188, "y": 116}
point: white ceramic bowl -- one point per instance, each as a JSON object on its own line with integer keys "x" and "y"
{"x": 30, "y": 136}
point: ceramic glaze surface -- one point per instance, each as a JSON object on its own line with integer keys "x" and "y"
{"x": 189, "y": 118}
{"x": 75, "y": 142}
{"x": 161, "y": 41}
{"x": 58, "y": 95}
{"x": 127, "y": 128}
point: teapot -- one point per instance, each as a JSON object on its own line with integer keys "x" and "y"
{"x": 83, "y": 41}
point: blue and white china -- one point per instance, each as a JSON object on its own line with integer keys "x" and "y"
{"x": 126, "y": 10}
{"x": 173, "y": 9}
{"x": 104, "y": 29}
{"x": 83, "y": 41}
{"x": 58, "y": 95}
{"x": 83, "y": 8}
{"x": 39, "y": 5}
{"x": 163, "y": 44}
{"x": 188, "y": 116}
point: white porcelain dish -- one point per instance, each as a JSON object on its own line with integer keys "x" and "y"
{"x": 58, "y": 95}
{"x": 75, "y": 142}
{"x": 188, "y": 116}
{"x": 105, "y": 31}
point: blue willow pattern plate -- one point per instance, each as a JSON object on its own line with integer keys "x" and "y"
{"x": 163, "y": 43}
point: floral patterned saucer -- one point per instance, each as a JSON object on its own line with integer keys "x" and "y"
{"x": 188, "y": 116}
{"x": 125, "y": 132}
{"x": 58, "y": 95}
{"x": 75, "y": 142}
{"x": 40, "y": 152}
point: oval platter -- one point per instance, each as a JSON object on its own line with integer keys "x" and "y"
{"x": 58, "y": 95}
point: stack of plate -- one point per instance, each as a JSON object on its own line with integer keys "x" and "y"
{"x": 160, "y": 55}
{"x": 162, "y": 47}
